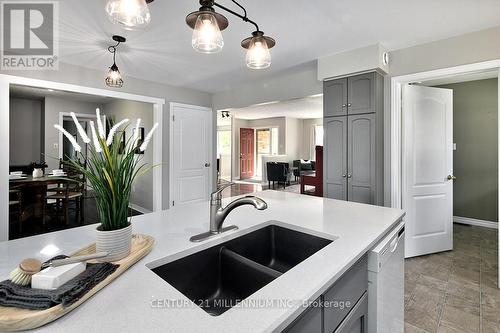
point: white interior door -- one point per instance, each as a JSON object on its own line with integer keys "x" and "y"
{"x": 192, "y": 153}
{"x": 427, "y": 167}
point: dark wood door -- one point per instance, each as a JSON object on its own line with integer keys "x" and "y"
{"x": 247, "y": 141}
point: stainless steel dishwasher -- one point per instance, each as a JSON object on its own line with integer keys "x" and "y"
{"x": 386, "y": 283}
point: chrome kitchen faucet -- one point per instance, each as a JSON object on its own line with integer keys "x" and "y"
{"x": 218, "y": 214}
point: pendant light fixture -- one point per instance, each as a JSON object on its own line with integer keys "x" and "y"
{"x": 131, "y": 14}
{"x": 258, "y": 55}
{"x": 114, "y": 78}
{"x": 207, "y": 25}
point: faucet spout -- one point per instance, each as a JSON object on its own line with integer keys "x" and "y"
{"x": 219, "y": 214}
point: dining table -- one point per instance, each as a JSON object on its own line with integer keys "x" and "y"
{"x": 34, "y": 192}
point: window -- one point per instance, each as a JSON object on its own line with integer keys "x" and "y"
{"x": 223, "y": 143}
{"x": 266, "y": 140}
{"x": 318, "y": 135}
{"x": 316, "y": 140}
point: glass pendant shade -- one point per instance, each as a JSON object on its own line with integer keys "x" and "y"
{"x": 258, "y": 54}
{"x": 207, "y": 37}
{"x": 131, "y": 14}
{"x": 114, "y": 78}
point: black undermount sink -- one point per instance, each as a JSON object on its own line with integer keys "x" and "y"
{"x": 217, "y": 278}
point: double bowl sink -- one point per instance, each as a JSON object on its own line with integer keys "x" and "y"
{"x": 219, "y": 277}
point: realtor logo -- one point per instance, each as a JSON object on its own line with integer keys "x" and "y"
{"x": 29, "y": 32}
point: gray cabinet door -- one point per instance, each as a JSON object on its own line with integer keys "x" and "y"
{"x": 361, "y": 174}
{"x": 335, "y": 161}
{"x": 349, "y": 289}
{"x": 335, "y": 98}
{"x": 357, "y": 320}
{"x": 310, "y": 322}
{"x": 361, "y": 94}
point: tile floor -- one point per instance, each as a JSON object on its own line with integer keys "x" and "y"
{"x": 456, "y": 291}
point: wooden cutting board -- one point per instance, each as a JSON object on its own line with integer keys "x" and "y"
{"x": 16, "y": 319}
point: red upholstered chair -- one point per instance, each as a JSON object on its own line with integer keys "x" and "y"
{"x": 315, "y": 179}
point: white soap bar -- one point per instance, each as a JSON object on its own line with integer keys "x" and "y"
{"x": 53, "y": 277}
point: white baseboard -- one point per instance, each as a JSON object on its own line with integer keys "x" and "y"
{"x": 476, "y": 222}
{"x": 139, "y": 208}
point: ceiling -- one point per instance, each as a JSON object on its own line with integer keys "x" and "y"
{"x": 301, "y": 108}
{"x": 304, "y": 30}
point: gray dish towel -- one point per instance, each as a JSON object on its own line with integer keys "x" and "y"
{"x": 14, "y": 295}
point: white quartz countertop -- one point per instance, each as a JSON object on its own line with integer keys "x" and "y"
{"x": 133, "y": 302}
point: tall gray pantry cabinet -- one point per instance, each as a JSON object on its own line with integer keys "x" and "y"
{"x": 354, "y": 139}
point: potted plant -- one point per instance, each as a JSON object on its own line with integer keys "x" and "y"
{"x": 111, "y": 170}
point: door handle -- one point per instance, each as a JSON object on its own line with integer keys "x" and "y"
{"x": 349, "y": 176}
{"x": 451, "y": 177}
{"x": 344, "y": 105}
{"x": 394, "y": 244}
{"x": 207, "y": 165}
{"x": 343, "y": 175}
{"x": 349, "y": 104}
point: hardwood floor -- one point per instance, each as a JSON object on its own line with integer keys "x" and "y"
{"x": 246, "y": 188}
{"x": 34, "y": 226}
{"x": 455, "y": 291}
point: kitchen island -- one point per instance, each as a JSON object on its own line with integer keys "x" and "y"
{"x": 141, "y": 301}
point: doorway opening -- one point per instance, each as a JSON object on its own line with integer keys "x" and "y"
{"x": 285, "y": 137}
{"x": 444, "y": 158}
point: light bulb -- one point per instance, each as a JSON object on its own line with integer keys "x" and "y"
{"x": 207, "y": 37}
{"x": 131, "y": 14}
{"x": 114, "y": 78}
{"x": 258, "y": 55}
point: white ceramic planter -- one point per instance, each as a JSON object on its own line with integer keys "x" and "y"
{"x": 116, "y": 242}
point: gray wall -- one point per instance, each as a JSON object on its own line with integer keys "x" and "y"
{"x": 53, "y": 107}
{"x": 142, "y": 191}
{"x": 460, "y": 50}
{"x": 26, "y": 116}
{"x": 93, "y": 78}
{"x": 475, "y": 162}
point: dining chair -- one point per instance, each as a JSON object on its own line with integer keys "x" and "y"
{"x": 68, "y": 191}
{"x": 16, "y": 207}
